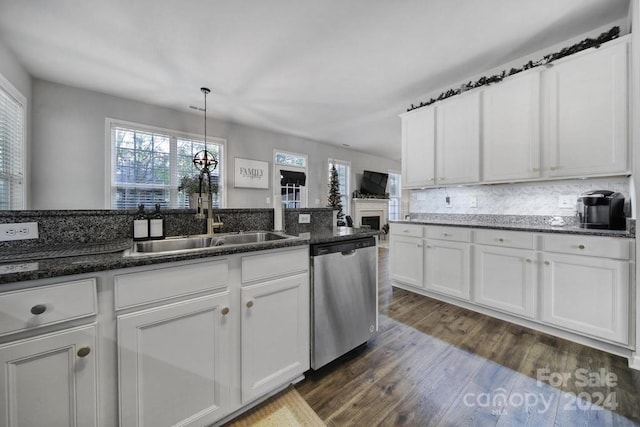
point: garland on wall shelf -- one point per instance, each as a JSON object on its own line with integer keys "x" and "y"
{"x": 587, "y": 43}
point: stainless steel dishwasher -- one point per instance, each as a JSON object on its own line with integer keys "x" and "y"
{"x": 344, "y": 297}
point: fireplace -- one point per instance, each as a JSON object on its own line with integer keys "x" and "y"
{"x": 371, "y": 212}
{"x": 372, "y": 221}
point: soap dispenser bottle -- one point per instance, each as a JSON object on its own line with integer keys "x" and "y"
{"x": 140, "y": 225}
{"x": 156, "y": 225}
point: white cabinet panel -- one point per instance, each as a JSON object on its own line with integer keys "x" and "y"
{"x": 46, "y": 305}
{"x": 446, "y": 266}
{"x": 505, "y": 279}
{"x": 585, "y": 100}
{"x": 174, "y": 363}
{"x": 45, "y": 381}
{"x": 275, "y": 334}
{"x": 406, "y": 257}
{"x": 511, "y": 128}
{"x": 587, "y": 295}
{"x": 418, "y": 147}
{"x": 458, "y": 139}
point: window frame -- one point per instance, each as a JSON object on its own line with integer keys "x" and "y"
{"x": 110, "y": 165}
{"x": 346, "y": 206}
{"x": 397, "y": 197}
{"x": 21, "y": 100}
{"x": 304, "y": 190}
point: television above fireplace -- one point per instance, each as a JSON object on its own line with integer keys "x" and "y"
{"x": 374, "y": 183}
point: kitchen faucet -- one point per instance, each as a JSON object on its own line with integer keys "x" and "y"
{"x": 212, "y": 224}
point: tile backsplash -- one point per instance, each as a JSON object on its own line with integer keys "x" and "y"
{"x": 532, "y": 198}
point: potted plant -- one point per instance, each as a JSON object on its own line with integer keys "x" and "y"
{"x": 190, "y": 185}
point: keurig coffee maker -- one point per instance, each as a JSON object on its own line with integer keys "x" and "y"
{"x": 602, "y": 209}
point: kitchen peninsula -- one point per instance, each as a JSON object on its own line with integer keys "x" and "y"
{"x": 214, "y": 331}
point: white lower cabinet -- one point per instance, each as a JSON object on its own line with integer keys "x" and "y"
{"x": 580, "y": 286}
{"x": 587, "y": 294}
{"x": 505, "y": 279}
{"x": 50, "y": 380}
{"x": 406, "y": 260}
{"x": 275, "y": 334}
{"x": 446, "y": 267}
{"x": 173, "y": 363}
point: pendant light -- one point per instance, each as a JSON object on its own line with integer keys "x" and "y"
{"x": 204, "y": 161}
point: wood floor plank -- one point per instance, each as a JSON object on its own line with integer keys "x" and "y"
{"x": 428, "y": 355}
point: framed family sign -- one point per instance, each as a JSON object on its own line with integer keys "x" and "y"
{"x": 250, "y": 173}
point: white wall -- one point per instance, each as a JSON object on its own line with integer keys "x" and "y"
{"x": 68, "y": 155}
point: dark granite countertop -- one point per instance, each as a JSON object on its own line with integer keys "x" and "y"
{"x": 519, "y": 225}
{"x": 65, "y": 261}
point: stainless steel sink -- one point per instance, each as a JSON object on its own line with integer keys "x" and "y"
{"x": 177, "y": 245}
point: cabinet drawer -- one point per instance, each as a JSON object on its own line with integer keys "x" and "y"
{"x": 511, "y": 239}
{"x": 57, "y": 303}
{"x": 274, "y": 264}
{"x": 133, "y": 289}
{"x": 607, "y": 247}
{"x": 455, "y": 234}
{"x": 409, "y": 230}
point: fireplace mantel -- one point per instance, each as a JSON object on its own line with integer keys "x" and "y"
{"x": 370, "y": 207}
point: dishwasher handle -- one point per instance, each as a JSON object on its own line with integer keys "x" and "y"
{"x": 342, "y": 246}
{"x": 347, "y": 253}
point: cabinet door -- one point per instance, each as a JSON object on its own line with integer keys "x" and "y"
{"x": 586, "y": 105}
{"x": 418, "y": 148}
{"x": 511, "y": 128}
{"x": 458, "y": 139}
{"x": 588, "y": 295}
{"x": 505, "y": 279}
{"x": 47, "y": 380}
{"x": 446, "y": 266}
{"x": 174, "y": 363}
{"x": 275, "y": 334}
{"x": 406, "y": 260}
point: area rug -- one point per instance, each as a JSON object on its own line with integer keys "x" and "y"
{"x": 285, "y": 409}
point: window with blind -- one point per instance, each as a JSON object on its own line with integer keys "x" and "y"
{"x": 148, "y": 165}
{"x": 12, "y": 147}
{"x": 344, "y": 172}
{"x": 395, "y": 194}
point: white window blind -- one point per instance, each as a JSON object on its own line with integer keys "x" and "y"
{"x": 148, "y": 165}
{"x": 12, "y": 141}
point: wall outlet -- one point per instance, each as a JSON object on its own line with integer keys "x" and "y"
{"x": 447, "y": 201}
{"x": 18, "y": 231}
{"x": 567, "y": 202}
{"x": 473, "y": 202}
{"x": 304, "y": 218}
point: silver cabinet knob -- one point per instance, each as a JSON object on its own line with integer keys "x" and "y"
{"x": 529, "y": 260}
{"x": 249, "y": 304}
{"x": 547, "y": 263}
{"x": 83, "y": 351}
{"x": 225, "y": 311}
{"x": 500, "y": 240}
{"x": 38, "y": 309}
{"x": 580, "y": 246}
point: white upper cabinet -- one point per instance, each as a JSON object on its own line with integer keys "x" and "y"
{"x": 585, "y": 104}
{"x": 418, "y": 147}
{"x": 511, "y": 128}
{"x": 458, "y": 139}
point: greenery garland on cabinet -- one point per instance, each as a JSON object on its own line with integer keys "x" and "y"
{"x": 587, "y": 43}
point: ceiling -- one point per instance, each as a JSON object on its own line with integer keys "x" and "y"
{"x": 334, "y": 71}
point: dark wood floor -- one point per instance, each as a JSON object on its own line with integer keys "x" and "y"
{"x": 437, "y": 364}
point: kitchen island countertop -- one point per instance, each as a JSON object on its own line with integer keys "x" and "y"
{"x": 47, "y": 264}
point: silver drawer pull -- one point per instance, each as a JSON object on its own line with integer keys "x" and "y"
{"x": 529, "y": 260}
{"x": 38, "y": 309}
{"x": 84, "y": 351}
{"x": 580, "y": 246}
{"x": 446, "y": 234}
{"x": 500, "y": 240}
{"x": 547, "y": 263}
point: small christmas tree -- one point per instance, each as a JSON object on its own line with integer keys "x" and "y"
{"x": 335, "y": 201}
